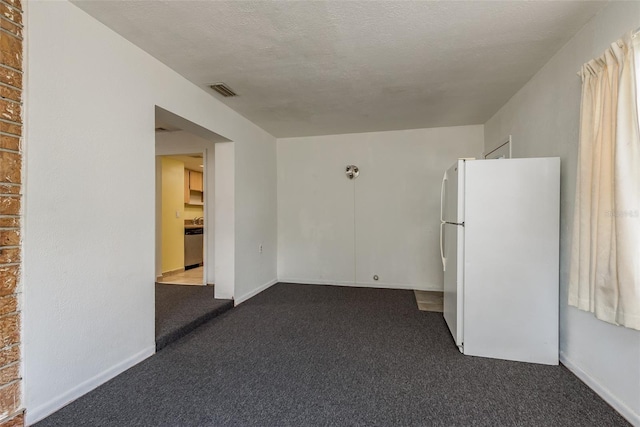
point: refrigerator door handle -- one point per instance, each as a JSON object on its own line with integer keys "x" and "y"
{"x": 442, "y": 190}
{"x": 444, "y": 260}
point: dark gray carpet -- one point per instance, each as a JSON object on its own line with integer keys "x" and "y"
{"x": 318, "y": 355}
{"x": 182, "y": 308}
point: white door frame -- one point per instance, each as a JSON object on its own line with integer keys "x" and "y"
{"x": 220, "y": 194}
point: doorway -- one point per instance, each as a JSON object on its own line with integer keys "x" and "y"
{"x": 194, "y": 220}
{"x": 182, "y": 192}
{"x": 176, "y": 136}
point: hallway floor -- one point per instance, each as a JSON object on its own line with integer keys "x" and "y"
{"x": 193, "y": 276}
{"x": 304, "y": 355}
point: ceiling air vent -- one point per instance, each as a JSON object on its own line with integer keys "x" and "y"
{"x": 223, "y": 90}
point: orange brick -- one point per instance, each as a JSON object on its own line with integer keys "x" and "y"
{"x": 11, "y": 55}
{"x": 8, "y": 282}
{"x": 8, "y": 304}
{"x": 9, "y": 142}
{"x": 10, "y": 110}
{"x": 15, "y": 421}
{"x": 9, "y": 373}
{"x": 12, "y": 128}
{"x": 10, "y": 167}
{"x": 10, "y": 255}
{"x": 10, "y": 77}
{"x": 9, "y": 205}
{"x": 10, "y": 13}
{"x": 10, "y": 93}
{"x": 10, "y": 398}
{"x": 11, "y": 27}
{"x": 10, "y": 330}
{"x": 10, "y": 222}
{"x": 9, "y": 355}
{"x": 15, "y": 3}
{"x": 11, "y": 52}
{"x": 9, "y": 237}
{"x": 9, "y": 189}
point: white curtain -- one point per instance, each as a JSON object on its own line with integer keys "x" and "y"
{"x": 605, "y": 256}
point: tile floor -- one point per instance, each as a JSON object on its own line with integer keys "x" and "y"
{"x": 429, "y": 300}
{"x": 188, "y": 277}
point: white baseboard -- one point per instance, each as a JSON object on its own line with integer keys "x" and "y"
{"x": 33, "y": 415}
{"x": 418, "y": 287}
{"x": 299, "y": 281}
{"x": 602, "y": 391}
{"x": 243, "y": 298}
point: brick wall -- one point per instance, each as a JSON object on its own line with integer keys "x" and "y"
{"x": 11, "y": 41}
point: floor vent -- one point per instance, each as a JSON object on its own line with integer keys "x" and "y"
{"x": 223, "y": 90}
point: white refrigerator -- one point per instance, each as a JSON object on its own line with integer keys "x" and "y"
{"x": 499, "y": 242}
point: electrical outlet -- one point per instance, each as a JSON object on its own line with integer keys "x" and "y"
{"x": 177, "y": 214}
{"x": 260, "y": 248}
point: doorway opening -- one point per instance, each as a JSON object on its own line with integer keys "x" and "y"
{"x": 194, "y": 221}
{"x": 182, "y": 192}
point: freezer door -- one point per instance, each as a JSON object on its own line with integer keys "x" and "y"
{"x": 453, "y": 194}
{"x": 511, "y": 259}
{"x": 453, "y": 237}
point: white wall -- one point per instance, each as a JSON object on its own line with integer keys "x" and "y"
{"x": 385, "y": 222}
{"x": 543, "y": 118}
{"x": 88, "y": 278}
{"x": 255, "y": 217}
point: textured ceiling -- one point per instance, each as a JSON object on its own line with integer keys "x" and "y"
{"x": 314, "y": 68}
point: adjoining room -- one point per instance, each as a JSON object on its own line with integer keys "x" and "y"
{"x": 386, "y": 213}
